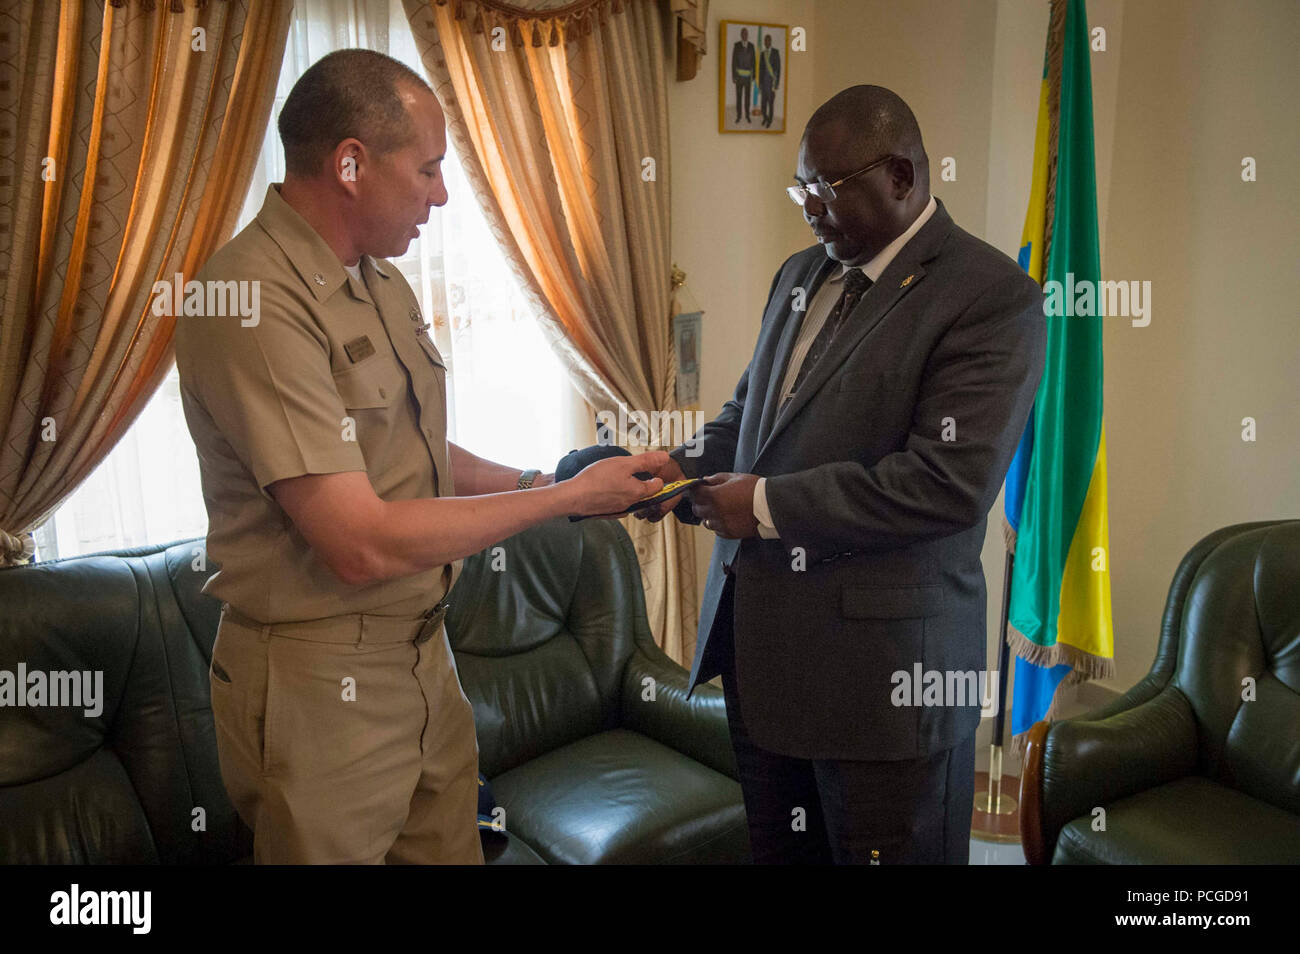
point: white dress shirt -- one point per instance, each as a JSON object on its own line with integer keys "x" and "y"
{"x": 815, "y": 317}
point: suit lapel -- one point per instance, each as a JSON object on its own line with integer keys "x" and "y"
{"x": 902, "y": 275}
{"x": 816, "y": 273}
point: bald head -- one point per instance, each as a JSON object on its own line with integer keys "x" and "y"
{"x": 867, "y": 140}
{"x": 873, "y": 122}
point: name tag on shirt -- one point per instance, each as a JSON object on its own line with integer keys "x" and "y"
{"x": 359, "y": 348}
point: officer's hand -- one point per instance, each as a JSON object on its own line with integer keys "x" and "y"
{"x": 608, "y": 486}
{"x": 669, "y": 473}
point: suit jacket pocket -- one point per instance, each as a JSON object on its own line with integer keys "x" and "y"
{"x": 892, "y": 602}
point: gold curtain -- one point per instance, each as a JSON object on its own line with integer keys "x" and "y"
{"x": 128, "y": 132}
{"x": 559, "y": 115}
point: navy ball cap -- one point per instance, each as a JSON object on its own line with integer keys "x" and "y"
{"x": 576, "y": 460}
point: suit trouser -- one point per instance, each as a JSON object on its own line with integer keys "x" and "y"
{"x": 347, "y": 740}
{"x": 743, "y": 89}
{"x": 767, "y": 98}
{"x": 842, "y": 811}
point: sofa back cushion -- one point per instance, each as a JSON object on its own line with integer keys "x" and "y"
{"x": 135, "y": 778}
{"x": 1239, "y": 662}
{"x": 542, "y": 626}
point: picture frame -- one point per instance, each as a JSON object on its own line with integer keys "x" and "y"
{"x": 768, "y": 55}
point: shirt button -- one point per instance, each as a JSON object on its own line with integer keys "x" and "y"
{"x": 428, "y": 432}
{"x": 383, "y": 393}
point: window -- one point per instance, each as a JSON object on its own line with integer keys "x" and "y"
{"x": 509, "y": 398}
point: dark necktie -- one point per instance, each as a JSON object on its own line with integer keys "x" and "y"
{"x": 855, "y": 284}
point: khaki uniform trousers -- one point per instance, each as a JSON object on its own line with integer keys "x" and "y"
{"x": 346, "y": 740}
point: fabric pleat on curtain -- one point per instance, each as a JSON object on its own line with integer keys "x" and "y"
{"x": 559, "y": 115}
{"x": 128, "y": 132}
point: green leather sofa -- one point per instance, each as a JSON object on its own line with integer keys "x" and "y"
{"x": 1187, "y": 770}
{"x": 585, "y": 732}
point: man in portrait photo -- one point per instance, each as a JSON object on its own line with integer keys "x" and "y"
{"x": 742, "y": 73}
{"x": 769, "y": 78}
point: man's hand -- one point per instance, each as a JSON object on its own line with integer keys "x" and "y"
{"x": 725, "y": 504}
{"x": 668, "y": 473}
{"x": 608, "y": 486}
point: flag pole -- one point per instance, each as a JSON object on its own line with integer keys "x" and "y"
{"x": 996, "y": 814}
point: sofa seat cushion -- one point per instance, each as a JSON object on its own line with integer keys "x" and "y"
{"x": 620, "y": 797}
{"x": 1191, "y": 821}
{"x": 509, "y": 851}
{"x": 86, "y": 815}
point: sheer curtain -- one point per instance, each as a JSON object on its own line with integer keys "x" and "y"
{"x": 509, "y": 398}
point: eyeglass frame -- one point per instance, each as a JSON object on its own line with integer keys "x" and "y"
{"x": 806, "y": 188}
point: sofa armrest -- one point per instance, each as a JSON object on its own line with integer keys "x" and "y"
{"x": 655, "y": 704}
{"x": 1076, "y": 765}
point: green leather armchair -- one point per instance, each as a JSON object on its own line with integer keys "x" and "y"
{"x": 553, "y": 650}
{"x": 1185, "y": 769}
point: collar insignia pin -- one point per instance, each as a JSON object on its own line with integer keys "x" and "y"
{"x": 318, "y": 278}
{"x": 907, "y": 281}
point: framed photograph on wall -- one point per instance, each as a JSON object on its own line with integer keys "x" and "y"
{"x": 751, "y": 77}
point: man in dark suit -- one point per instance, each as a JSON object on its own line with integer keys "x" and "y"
{"x": 851, "y": 476}
{"x": 742, "y": 73}
{"x": 769, "y": 77}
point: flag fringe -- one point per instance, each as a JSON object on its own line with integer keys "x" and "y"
{"x": 1085, "y": 665}
{"x": 1055, "y": 61}
{"x": 1020, "y": 741}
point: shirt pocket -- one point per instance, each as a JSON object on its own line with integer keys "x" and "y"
{"x": 374, "y": 383}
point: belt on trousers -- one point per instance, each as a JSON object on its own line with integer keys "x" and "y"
{"x": 363, "y": 626}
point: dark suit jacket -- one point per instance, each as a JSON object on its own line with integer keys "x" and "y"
{"x": 768, "y": 78}
{"x": 742, "y": 58}
{"x": 877, "y": 569}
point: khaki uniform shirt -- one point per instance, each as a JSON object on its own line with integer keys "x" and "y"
{"x": 334, "y": 375}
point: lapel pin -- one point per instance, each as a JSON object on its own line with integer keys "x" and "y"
{"x": 907, "y": 281}
{"x": 318, "y": 278}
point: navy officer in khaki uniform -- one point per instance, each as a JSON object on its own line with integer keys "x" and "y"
{"x": 338, "y": 511}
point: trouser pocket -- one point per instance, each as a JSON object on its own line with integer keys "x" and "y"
{"x": 237, "y": 678}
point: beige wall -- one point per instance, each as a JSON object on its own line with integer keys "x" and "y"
{"x": 1201, "y": 85}
{"x": 1183, "y": 91}
{"x": 732, "y": 225}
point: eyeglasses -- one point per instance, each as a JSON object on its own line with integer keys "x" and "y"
{"x": 824, "y": 190}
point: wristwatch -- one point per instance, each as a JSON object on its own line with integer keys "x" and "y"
{"x": 526, "y": 479}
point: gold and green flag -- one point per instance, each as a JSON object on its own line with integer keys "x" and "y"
{"x": 1059, "y": 620}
